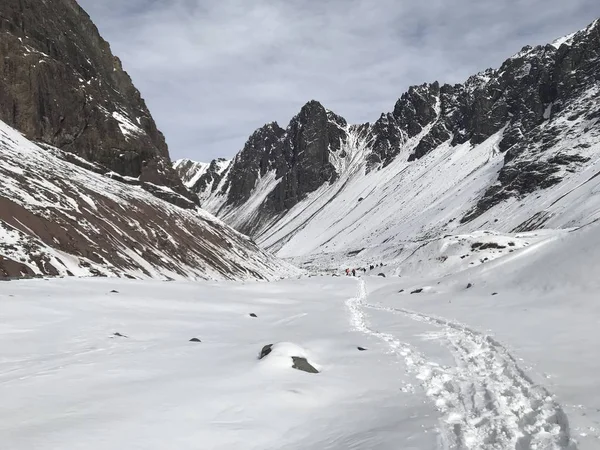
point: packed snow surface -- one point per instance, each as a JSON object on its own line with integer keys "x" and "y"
{"x": 499, "y": 355}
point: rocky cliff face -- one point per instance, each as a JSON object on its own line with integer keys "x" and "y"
{"x": 541, "y": 97}
{"x": 62, "y": 86}
{"x": 304, "y": 155}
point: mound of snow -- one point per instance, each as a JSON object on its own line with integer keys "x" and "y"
{"x": 454, "y": 253}
{"x": 284, "y": 355}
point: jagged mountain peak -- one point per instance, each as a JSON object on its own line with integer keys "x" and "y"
{"x": 312, "y": 105}
{"x": 268, "y": 129}
{"x": 495, "y": 139}
{"x": 310, "y": 111}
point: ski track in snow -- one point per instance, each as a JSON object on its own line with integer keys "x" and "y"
{"x": 488, "y": 401}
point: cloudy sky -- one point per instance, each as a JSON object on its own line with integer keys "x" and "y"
{"x": 212, "y": 71}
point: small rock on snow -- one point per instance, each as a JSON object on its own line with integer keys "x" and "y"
{"x": 195, "y": 340}
{"x": 303, "y": 364}
{"x": 253, "y": 315}
{"x": 265, "y": 351}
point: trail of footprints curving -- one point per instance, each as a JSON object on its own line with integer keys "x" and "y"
{"x": 488, "y": 401}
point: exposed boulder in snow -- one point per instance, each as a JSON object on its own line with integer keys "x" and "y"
{"x": 286, "y": 354}
{"x": 265, "y": 351}
{"x": 302, "y": 364}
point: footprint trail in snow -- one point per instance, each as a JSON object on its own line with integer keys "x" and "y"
{"x": 488, "y": 401}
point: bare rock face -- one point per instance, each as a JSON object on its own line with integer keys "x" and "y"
{"x": 262, "y": 153}
{"x": 388, "y": 139}
{"x": 306, "y": 147}
{"x": 62, "y": 86}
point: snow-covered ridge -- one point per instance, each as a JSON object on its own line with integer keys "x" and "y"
{"x": 60, "y": 219}
{"x": 190, "y": 171}
{"x": 425, "y": 171}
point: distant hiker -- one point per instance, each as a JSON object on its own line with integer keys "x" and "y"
{"x": 347, "y": 272}
{"x": 353, "y": 272}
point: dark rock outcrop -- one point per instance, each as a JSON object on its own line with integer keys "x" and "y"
{"x": 265, "y": 351}
{"x": 262, "y": 153}
{"x": 417, "y": 108}
{"x": 306, "y": 147}
{"x": 303, "y": 365}
{"x": 388, "y": 138}
{"x": 61, "y": 85}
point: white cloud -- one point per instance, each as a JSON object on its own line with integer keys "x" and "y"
{"x": 213, "y": 71}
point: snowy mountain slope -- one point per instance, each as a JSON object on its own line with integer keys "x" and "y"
{"x": 57, "y": 218}
{"x": 508, "y": 363}
{"x": 203, "y": 178}
{"x": 511, "y": 149}
{"x": 190, "y": 171}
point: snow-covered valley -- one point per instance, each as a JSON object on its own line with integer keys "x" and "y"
{"x": 155, "y": 304}
{"x": 502, "y": 355}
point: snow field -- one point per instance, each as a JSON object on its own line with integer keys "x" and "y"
{"x": 66, "y": 381}
{"x": 508, "y": 363}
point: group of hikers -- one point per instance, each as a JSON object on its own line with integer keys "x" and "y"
{"x": 363, "y": 269}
